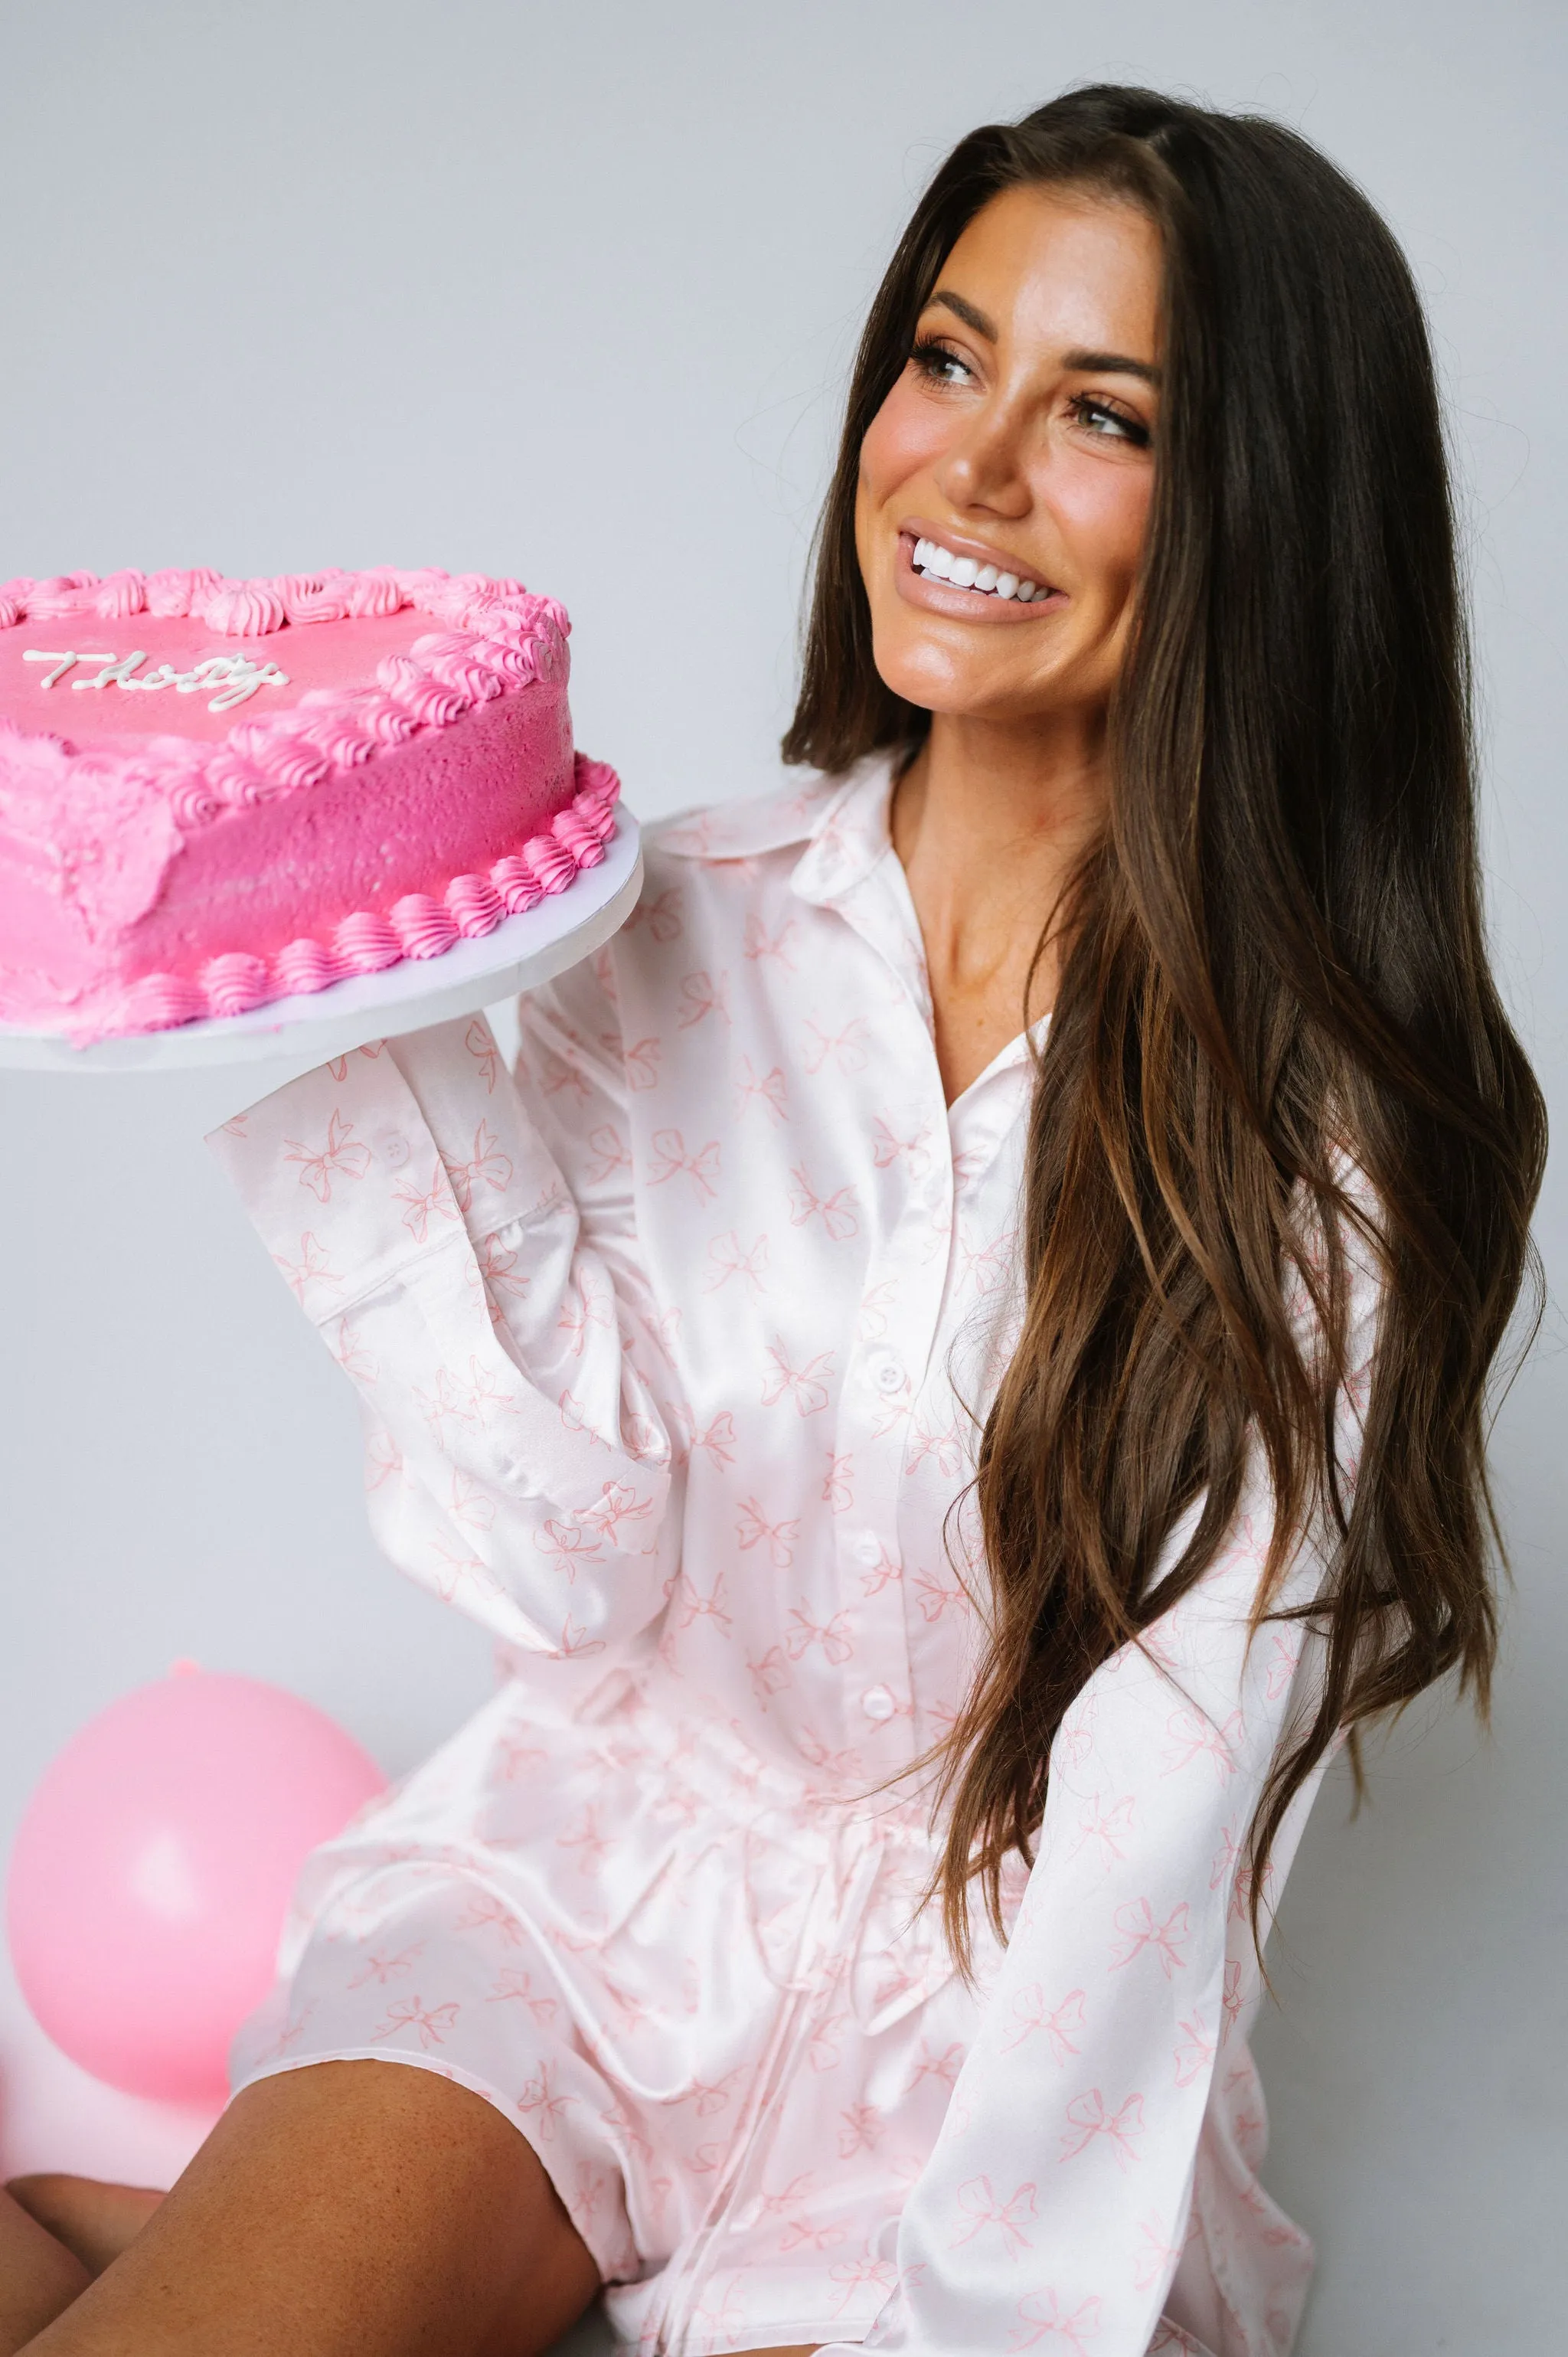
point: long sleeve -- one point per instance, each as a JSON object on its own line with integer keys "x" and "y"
{"x": 521, "y": 1417}
{"x": 1057, "y": 2203}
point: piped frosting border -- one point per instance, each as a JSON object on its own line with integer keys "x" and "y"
{"x": 494, "y": 636}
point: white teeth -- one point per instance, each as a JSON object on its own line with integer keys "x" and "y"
{"x": 939, "y": 563}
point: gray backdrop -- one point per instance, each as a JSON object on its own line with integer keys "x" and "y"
{"x": 570, "y": 291}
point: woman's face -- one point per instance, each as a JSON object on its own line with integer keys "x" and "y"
{"x": 1015, "y": 451}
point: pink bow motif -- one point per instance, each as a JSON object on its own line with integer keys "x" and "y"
{"x": 838, "y": 1484}
{"x": 610, "y": 1153}
{"x": 943, "y": 1445}
{"x": 1137, "y": 1929}
{"x": 983, "y": 2208}
{"x": 1109, "y": 1827}
{"x": 384, "y": 1457}
{"x": 310, "y": 1268}
{"x": 822, "y": 2046}
{"x": 1194, "y": 2053}
{"x": 833, "y": 1635}
{"x": 590, "y": 1839}
{"x": 487, "y": 1164}
{"x": 835, "y": 1765}
{"x": 700, "y": 994}
{"x": 944, "y": 2066}
{"x": 1061, "y": 2025}
{"x": 884, "y": 1573}
{"x": 1075, "y": 1735}
{"x": 1234, "y": 1996}
{"x": 847, "y": 1048}
{"x": 766, "y": 1089}
{"x": 663, "y": 917}
{"x": 1241, "y": 1890}
{"x": 862, "y": 2127}
{"x": 730, "y": 1258}
{"x": 984, "y": 1265}
{"x": 429, "y": 2022}
{"x": 436, "y": 1203}
{"x": 853, "y": 2275}
{"x": 1281, "y": 1665}
{"x": 360, "y": 1365}
{"x": 888, "y": 1147}
{"x": 479, "y": 1041}
{"x": 1225, "y": 1857}
{"x": 382, "y": 1969}
{"x": 1194, "y": 1737}
{"x": 618, "y": 1503}
{"x": 694, "y": 1606}
{"x": 790, "y": 2197}
{"x": 563, "y": 1070}
{"x": 669, "y": 1156}
{"x": 836, "y": 1211}
{"x": 343, "y": 1156}
{"x": 717, "y": 1443}
{"x": 582, "y": 1307}
{"x": 450, "y": 1571}
{"x": 1040, "y": 2313}
{"x": 754, "y": 1529}
{"x": 575, "y": 1642}
{"x": 641, "y": 1062}
{"x": 807, "y": 1386}
{"x": 1157, "y": 2257}
{"x": 448, "y": 1400}
{"x": 469, "y": 1502}
{"x": 711, "y": 2096}
{"x": 770, "y": 1674}
{"x": 567, "y": 1544}
{"x": 498, "y": 1268}
{"x": 935, "y": 1598}
{"x": 540, "y": 2105}
{"x": 573, "y": 1418}
{"x": 759, "y": 943}
{"x": 1092, "y": 2119}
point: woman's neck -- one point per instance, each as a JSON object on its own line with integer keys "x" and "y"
{"x": 989, "y": 822}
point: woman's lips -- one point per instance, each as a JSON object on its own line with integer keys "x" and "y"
{"x": 965, "y": 604}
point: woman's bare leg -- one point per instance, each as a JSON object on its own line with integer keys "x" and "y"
{"x": 38, "y": 2276}
{"x": 95, "y": 2222}
{"x": 349, "y": 2210}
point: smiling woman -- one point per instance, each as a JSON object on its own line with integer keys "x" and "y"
{"x": 902, "y": 1446}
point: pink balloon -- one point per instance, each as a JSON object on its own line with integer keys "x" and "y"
{"x": 154, "y": 1867}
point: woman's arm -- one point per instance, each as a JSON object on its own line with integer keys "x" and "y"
{"x": 522, "y": 1415}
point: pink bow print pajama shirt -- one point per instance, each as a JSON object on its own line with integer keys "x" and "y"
{"x": 672, "y": 1351}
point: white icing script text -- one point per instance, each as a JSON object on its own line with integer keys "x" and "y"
{"x": 233, "y": 677}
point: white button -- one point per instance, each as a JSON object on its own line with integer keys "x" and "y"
{"x": 392, "y": 1149}
{"x": 877, "y": 1702}
{"x": 884, "y": 1372}
{"x": 867, "y": 1549}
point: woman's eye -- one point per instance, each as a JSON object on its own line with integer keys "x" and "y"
{"x": 939, "y": 365}
{"x": 1101, "y": 418}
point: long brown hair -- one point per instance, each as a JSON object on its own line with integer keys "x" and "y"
{"x": 1273, "y": 962}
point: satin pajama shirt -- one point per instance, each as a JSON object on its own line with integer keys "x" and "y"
{"x": 673, "y": 1351}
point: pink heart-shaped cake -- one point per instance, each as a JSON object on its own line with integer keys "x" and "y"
{"x": 214, "y": 793}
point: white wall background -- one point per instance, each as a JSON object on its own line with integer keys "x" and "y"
{"x": 569, "y": 292}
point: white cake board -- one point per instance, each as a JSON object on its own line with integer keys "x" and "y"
{"x": 521, "y": 952}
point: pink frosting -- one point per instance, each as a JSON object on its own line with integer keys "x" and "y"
{"x": 150, "y": 868}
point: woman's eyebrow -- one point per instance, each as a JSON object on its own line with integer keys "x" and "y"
{"x": 967, "y": 312}
{"x": 1084, "y": 363}
{"x": 1080, "y": 363}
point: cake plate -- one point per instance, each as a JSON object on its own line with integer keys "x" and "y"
{"x": 521, "y": 952}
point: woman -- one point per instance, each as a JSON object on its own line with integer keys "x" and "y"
{"x": 894, "y": 1436}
